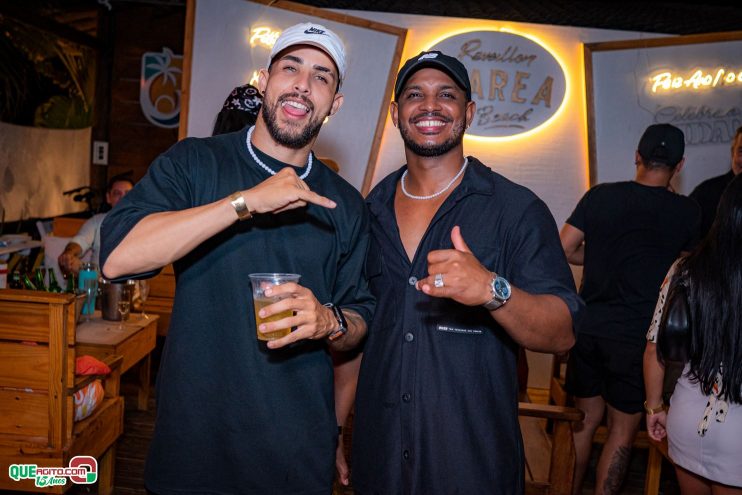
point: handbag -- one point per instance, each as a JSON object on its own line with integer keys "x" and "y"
{"x": 673, "y": 334}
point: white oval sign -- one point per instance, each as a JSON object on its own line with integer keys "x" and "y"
{"x": 517, "y": 84}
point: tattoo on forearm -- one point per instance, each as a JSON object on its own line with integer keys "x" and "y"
{"x": 617, "y": 471}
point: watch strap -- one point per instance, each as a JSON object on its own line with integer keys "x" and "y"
{"x": 494, "y": 303}
{"x": 342, "y": 323}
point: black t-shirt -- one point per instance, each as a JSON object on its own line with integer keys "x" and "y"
{"x": 707, "y": 194}
{"x": 437, "y": 404}
{"x": 633, "y": 233}
{"x": 233, "y": 416}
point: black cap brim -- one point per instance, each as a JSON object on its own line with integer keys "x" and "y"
{"x": 410, "y": 68}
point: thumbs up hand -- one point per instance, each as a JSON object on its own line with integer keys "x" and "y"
{"x": 457, "y": 274}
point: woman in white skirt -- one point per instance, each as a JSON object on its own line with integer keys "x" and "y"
{"x": 703, "y": 424}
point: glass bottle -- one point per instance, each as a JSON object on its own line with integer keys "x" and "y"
{"x": 27, "y": 284}
{"x": 71, "y": 285}
{"x": 87, "y": 282}
{"x": 53, "y": 284}
{"x": 39, "y": 279}
{"x": 15, "y": 280}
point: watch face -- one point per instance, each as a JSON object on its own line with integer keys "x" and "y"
{"x": 502, "y": 288}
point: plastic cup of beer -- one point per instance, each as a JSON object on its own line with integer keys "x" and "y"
{"x": 261, "y": 282}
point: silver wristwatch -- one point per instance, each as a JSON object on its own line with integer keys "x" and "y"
{"x": 500, "y": 291}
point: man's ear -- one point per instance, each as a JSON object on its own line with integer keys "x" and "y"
{"x": 337, "y": 102}
{"x": 263, "y": 76}
{"x": 637, "y": 158}
{"x": 394, "y": 113}
{"x": 678, "y": 167}
{"x": 471, "y": 110}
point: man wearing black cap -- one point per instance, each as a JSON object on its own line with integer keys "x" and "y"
{"x": 466, "y": 266}
{"x": 626, "y": 235}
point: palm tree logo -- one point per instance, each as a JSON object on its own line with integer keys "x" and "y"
{"x": 159, "y": 88}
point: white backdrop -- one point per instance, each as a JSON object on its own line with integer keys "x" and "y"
{"x": 223, "y": 59}
{"x": 36, "y": 165}
{"x": 625, "y": 106}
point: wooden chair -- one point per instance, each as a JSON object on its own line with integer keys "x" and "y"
{"x": 37, "y": 383}
{"x": 657, "y": 450}
{"x": 550, "y": 457}
{"x": 558, "y": 395}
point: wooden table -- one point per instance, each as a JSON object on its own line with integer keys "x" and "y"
{"x": 135, "y": 342}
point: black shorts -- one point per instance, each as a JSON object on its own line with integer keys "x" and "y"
{"x": 609, "y": 368}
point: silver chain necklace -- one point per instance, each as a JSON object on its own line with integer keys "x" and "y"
{"x": 266, "y": 167}
{"x": 431, "y": 196}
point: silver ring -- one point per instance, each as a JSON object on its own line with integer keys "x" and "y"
{"x": 438, "y": 280}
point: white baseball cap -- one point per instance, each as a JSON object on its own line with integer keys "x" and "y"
{"x": 309, "y": 33}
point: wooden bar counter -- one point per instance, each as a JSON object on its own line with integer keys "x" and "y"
{"x": 135, "y": 342}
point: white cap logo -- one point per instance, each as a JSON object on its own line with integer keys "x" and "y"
{"x": 427, "y": 56}
{"x": 315, "y": 35}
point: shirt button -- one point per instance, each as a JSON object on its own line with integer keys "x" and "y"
{"x": 412, "y": 280}
{"x": 409, "y": 337}
{"x": 406, "y": 454}
{"x": 406, "y": 397}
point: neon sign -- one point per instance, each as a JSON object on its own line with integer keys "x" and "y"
{"x": 667, "y": 81}
{"x": 265, "y": 36}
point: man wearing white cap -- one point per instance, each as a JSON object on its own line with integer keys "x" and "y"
{"x": 236, "y": 415}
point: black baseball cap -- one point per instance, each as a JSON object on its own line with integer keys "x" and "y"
{"x": 662, "y": 143}
{"x": 437, "y": 60}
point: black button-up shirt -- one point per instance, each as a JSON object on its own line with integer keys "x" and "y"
{"x": 436, "y": 409}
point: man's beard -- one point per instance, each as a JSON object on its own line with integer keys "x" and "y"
{"x": 430, "y": 150}
{"x": 285, "y": 137}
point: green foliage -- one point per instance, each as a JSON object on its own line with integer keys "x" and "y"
{"x": 63, "y": 112}
{"x": 44, "y": 80}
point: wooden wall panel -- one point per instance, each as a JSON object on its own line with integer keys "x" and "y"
{"x": 134, "y": 141}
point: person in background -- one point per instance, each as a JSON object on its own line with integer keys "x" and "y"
{"x": 704, "y": 422}
{"x": 626, "y": 235}
{"x": 708, "y": 192}
{"x": 466, "y": 266}
{"x": 234, "y": 414}
{"x": 88, "y": 237}
{"x": 240, "y": 110}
